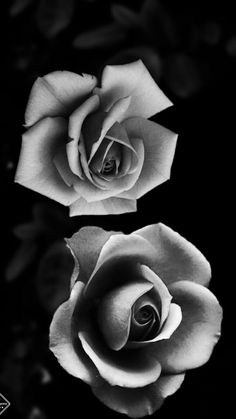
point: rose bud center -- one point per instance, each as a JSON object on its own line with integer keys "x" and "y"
{"x": 145, "y": 320}
{"x": 108, "y": 166}
{"x": 144, "y": 315}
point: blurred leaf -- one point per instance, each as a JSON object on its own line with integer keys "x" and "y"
{"x": 149, "y": 57}
{"x": 53, "y": 278}
{"x": 51, "y": 218}
{"x": 211, "y": 33}
{"x": 182, "y": 75}
{"x": 102, "y": 37}
{"x": 28, "y": 231}
{"x": 124, "y": 16}
{"x": 21, "y": 260}
{"x": 36, "y": 413}
{"x": 231, "y": 46}
{"x": 53, "y": 16}
{"x": 158, "y": 23}
{"x": 19, "y": 6}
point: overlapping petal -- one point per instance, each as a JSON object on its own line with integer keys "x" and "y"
{"x": 172, "y": 322}
{"x": 176, "y": 258}
{"x": 161, "y": 290}
{"x": 138, "y": 402}
{"x": 57, "y": 94}
{"x": 133, "y": 80}
{"x": 119, "y": 368}
{"x": 114, "y": 311}
{"x": 36, "y": 169}
{"x": 191, "y": 345}
{"x": 91, "y": 193}
{"x": 121, "y": 252}
{"x": 74, "y": 133}
{"x": 113, "y": 116}
{"x": 62, "y": 341}
{"x": 160, "y": 144}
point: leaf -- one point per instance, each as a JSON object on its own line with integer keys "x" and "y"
{"x": 158, "y": 23}
{"x": 53, "y": 277}
{"x": 101, "y": 37}
{"x": 28, "y": 231}
{"x": 19, "y": 6}
{"x": 124, "y": 16}
{"x": 53, "y": 16}
{"x": 23, "y": 257}
{"x": 182, "y": 75}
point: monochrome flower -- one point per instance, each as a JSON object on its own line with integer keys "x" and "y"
{"x": 139, "y": 315}
{"x": 92, "y": 148}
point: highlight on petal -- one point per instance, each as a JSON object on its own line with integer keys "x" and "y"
{"x": 176, "y": 258}
{"x": 57, "y": 94}
{"x": 114, "y": 311}
{"x": 70, "y": 355}
{"x": 172, "y": 322}
{"x": 159, "y": 144}
{"x": 191, "y": 345}
{"x": 133, "y": 80}
{"x": 86, "y": 246}
{"x": 138, "y": 402}
{"x": 35, "y": 169}
{"x": 119, "y": 368}
{"x": 107, "y": 206}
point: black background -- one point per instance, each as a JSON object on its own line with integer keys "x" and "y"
{"x": 191, "y": 49}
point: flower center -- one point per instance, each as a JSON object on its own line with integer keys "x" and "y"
{"x": 108, "y": 166}
{"x": 144, "y": 315}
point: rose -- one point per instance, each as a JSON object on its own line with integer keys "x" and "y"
{"x": 92, "y": 148}
{"x": 139, "y": 315}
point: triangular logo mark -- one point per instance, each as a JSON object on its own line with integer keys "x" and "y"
{"x": 4, "y": 404}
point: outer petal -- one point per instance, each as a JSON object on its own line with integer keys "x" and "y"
{"x": 36, "y": 169}
{"x": 132, "y": 80}
{"x": 159, "y": 144}
{"x": 192, "y": 343}
{"x": 107, "y": 206}
{"x": 119, "y": 368}
{"x": 86, "y": 246}
{"x": 176, "y": 258}
{"x": 138, "y": 402}
{"x": 57, "y": 94}
{"x": 70, "y": 356}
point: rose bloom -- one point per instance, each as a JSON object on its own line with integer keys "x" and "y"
{"x": 92, "y": 148}
{"x": 139, "y": 315}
